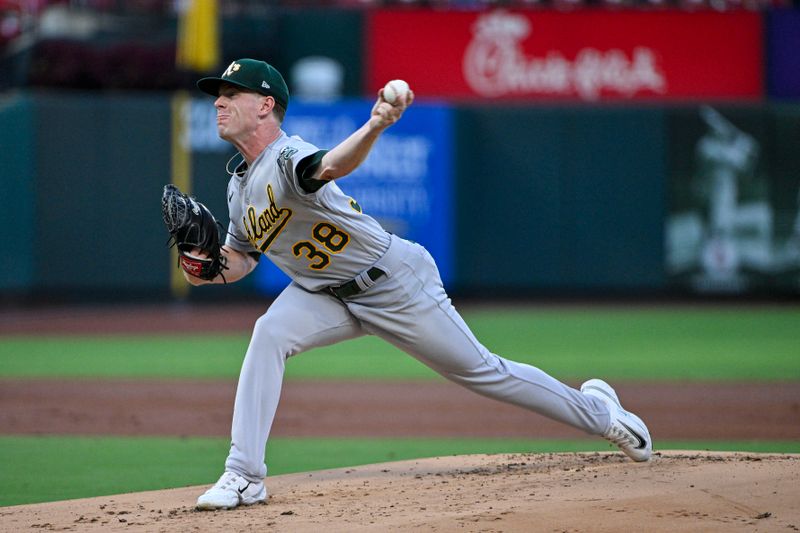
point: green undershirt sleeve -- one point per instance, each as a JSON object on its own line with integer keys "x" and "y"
{"x": 306, "y": 168}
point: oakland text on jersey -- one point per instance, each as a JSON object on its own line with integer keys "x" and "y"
{"x": 266, "y": 225}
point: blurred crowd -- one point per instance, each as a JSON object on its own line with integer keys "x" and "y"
{"x": 43, "y": 42}
{"x": 17, "y": 15}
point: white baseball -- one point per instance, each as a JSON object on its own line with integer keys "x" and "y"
{"x": 394, "y": 90}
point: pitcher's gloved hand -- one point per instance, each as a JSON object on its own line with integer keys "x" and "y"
{"x": 194, "y": 230}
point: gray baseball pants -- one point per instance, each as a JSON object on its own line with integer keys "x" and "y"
{"x": 408, "y": 308}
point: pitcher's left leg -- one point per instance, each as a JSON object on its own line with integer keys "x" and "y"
{"x": 296, "y": 321}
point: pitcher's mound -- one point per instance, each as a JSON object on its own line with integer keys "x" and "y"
{"x": 690, "y": 491}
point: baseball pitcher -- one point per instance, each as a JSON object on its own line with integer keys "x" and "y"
{"x": 349, "y": 278}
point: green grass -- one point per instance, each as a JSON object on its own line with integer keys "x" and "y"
{"x": 38, "y": 469}
{"x": 179, "y": 356}
{"x": 615, "y": 342}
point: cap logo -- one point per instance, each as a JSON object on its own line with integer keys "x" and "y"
{"x": 233, "y": 67}
{"x": 265, "y": 85}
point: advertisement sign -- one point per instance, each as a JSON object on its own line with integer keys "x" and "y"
{"x": 582, "y": 55}
{"x": 733, "y": 221}
{"x": 405, "y": 182}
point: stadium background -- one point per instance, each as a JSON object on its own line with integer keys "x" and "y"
{"x": 544, "y": 193}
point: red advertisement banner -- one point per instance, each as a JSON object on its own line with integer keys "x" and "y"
{"x": 581, "y": 55}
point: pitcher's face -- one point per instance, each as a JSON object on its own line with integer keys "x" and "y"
{"x": 237, "y": 112}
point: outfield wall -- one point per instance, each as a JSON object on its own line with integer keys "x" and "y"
{"x": 558, "y": 199}
{"x": 564, "y": 198}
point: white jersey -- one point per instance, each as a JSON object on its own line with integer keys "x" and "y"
{"x": 317, "y": 238}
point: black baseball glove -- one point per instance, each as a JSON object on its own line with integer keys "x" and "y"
{"x": 192, "y": 226}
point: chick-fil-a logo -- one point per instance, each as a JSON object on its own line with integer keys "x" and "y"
{"x": 495, "y": 65}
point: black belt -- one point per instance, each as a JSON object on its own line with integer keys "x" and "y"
{"x": 352, "y": 288}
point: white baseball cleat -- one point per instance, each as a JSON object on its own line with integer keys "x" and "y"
{"x": 231, "y": 491}
{"x": 626, "y": 430}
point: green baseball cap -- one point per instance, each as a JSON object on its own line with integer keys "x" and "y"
{"x": 251, "y": 74}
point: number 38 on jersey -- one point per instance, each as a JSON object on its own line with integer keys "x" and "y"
{"x": 328, "y": 239}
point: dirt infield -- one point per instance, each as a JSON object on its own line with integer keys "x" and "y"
{"x": 734, "y": 411}
{"x": 508, "y": 493}
{"x": 676, "y": 491}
